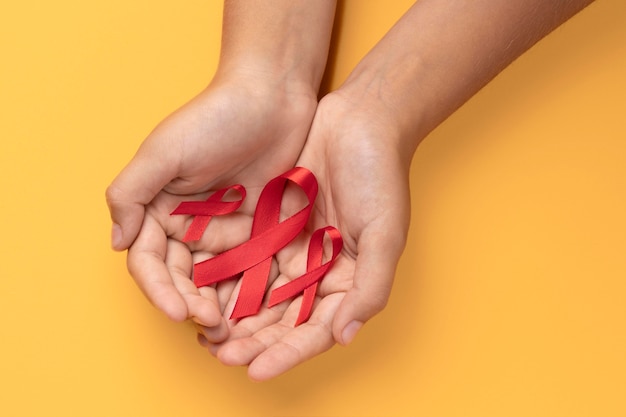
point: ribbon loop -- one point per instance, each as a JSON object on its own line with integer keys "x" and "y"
{"x": 307, "y": 283}
{"x": 203, "y": 211}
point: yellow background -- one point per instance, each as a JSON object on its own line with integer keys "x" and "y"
{"x": 510, "y": 298}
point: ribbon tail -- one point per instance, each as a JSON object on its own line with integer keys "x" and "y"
{"x": 197, "y": 228}
{"x": 308, "y": 298}
{"x": 253, "y": 285}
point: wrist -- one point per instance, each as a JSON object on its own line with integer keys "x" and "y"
{"x": 357, "y": 119}
{"x": 389, "y": 93}
{"x": 283, "y": 41}
{"x": 265, "y": 78}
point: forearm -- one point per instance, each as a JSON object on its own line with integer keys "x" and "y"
{"x": 282, "y": 40}
{"x": 442, "y": 52}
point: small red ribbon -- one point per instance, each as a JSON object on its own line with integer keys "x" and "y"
{"x": 268, "y": 236}
{"x": 307, "y": 283}
{"x": 205, "y": 210}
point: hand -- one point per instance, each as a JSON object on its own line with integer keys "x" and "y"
{"x": 360, "y": 147}
{"x": 363, "y": 178}
{"x": 241, "y": 129}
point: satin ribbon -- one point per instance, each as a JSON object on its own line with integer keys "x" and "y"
{"x": 268, "y": 236}
{"x": 205, "y": 210}
{"x": 307, "y": 283}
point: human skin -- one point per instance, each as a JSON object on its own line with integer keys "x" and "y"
{"x": 247, "y": 126}
{"x": 360, "y": 147}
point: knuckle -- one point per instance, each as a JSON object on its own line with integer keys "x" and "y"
{"x": 113, "y": 194}
{"x": 379, "y": 304}
{"x": 376, "y": 304}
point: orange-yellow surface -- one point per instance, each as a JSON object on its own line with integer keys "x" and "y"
{"x": 510, "y": 299}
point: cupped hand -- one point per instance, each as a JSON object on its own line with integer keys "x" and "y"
{"x": 354, "y": 151}
{"x": 239, "y": 130}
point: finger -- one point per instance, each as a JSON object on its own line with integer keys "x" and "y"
{"x": 203, "y": 306}
{"x": 296, "y": 345}
{"x": 210, "y": 337}
{"x": 215, "y": 334}
{"x": 225, "y": 290}
{"x": 274, "y": 349}
{"x": 244, "y": 343}
{"x": 146, "y": 264}
{"x": 373, "y": 278}
{"x": 146, "y": 174}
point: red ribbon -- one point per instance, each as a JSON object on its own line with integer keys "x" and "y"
{"x": 268, "y": 236}
{"x": 205, "y": 210}
{"x": 307, "y": 283}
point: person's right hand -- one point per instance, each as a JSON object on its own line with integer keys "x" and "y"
{"x": 241, "y": 129}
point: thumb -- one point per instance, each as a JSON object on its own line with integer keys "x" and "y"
{"x": 373, "y": 278}
{"x": 134, "y": 187}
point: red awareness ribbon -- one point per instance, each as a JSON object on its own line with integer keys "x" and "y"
{"x": 205, "y": 210}
{"x": 307, "y": 283}
{"x": 268, "y": 236}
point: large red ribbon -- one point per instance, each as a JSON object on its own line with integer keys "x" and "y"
{"x": 307, "y": 283}
{"x": 268, "y": 236}
{"x": 205, "y": 210}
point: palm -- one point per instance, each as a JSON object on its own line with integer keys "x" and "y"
{"x": 363, "y": 192}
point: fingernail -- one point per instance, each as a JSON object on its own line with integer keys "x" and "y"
{"x": 116, "y": 236}
{"x": 350, "y": 331}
